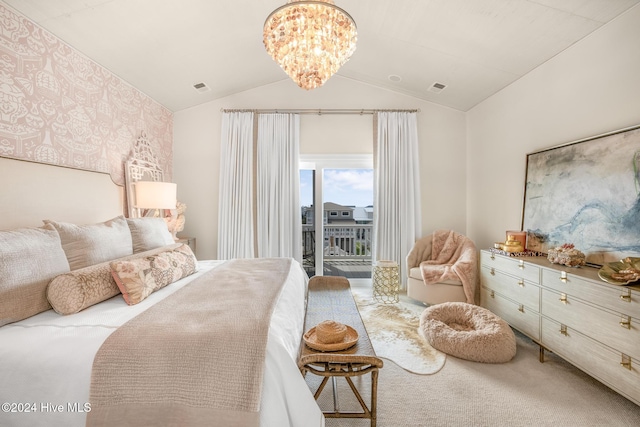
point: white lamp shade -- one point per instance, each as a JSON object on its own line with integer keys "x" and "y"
{"x": 156, "y": 195}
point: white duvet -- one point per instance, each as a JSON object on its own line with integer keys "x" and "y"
{"x": 45, "y": 361}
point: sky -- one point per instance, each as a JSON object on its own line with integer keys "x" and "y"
{"x": 349, "y": 187}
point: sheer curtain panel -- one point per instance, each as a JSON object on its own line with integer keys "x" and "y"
{"x": 279, "y": 223}
{"x": 235, "y": 221}
{"x": 397, "y": 218}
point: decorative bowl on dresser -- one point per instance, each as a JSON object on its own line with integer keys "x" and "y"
{"x": 570, "y": 311}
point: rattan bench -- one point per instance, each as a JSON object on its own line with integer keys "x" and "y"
{"x": 330, "y": 298}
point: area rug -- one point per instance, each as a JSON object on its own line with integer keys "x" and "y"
{"x": 393, "y": 330}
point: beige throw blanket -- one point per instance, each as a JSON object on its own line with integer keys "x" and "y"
{"x": 453, "y": 257}
{"x": 195, "y": 358}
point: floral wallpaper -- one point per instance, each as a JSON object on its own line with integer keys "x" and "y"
{"x": 59, "y": 107}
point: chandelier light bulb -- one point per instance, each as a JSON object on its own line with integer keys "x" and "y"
{"x": 310, "y": 40}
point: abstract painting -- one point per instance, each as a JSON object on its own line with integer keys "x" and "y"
{"x": 586, "y": 193}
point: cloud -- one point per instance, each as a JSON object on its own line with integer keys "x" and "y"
{"x": 349, "y": 179}
{"x": 349, "y": 187}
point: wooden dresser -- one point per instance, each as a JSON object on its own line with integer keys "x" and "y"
{"x": 590, "y": 323}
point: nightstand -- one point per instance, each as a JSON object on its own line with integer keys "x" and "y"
{"x": 191, "y": 241}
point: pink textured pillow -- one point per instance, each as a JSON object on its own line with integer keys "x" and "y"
{"x": 138, "y": 278}
{"x": 91, "y": 244}
{"x": 29, "y": 259}
{"x": 149, "y": 233}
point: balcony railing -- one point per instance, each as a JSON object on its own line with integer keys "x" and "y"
{"x": 346, "y": 249}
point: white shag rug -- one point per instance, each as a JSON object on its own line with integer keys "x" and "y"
{"x": 393, "y": 331}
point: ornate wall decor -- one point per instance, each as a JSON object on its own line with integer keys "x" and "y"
{"x": 142, "y": 166}
{"x": 61, "y": 108}
{"x": 586, "y": 193}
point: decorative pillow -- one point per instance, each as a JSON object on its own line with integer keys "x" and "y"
{"x": 76, "y": 290}
{"x": 29, "y": 259}
{"x": 139, "y": 277}
{"x": 87, "y": 245}
{"x": 149, "y": 233}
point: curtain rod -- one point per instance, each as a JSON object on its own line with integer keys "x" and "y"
{"x": 318, "y": 111}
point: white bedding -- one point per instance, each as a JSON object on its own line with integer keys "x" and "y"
{"x": 45, "y": 361}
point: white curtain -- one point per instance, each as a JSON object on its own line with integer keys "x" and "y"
{"x": 279, "y": 223}
{"x": 235, "y": 221}
{"x": 397, "y": 217}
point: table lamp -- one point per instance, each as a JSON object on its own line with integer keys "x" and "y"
{"x": 155, "y": 195}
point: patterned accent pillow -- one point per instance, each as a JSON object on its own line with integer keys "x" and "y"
{"x": 87, "y": 245}
{"x": 72, "y": 292}
{"x": 29, "y": 259}
{"x": 149, "y": 233}
{"x": 139, "y": 277}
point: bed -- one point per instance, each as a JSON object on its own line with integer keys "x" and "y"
{"x": 50, "y": 360}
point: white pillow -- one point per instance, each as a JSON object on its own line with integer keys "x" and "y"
{"x": 29, "y": 259}
{"x": 149, "y": 233}
{"x": 87, "y": 245}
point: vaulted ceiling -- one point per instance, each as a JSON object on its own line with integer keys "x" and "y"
{"x": 474, "y": 47}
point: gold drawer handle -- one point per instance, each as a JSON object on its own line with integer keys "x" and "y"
{"x": 521, "y": 265}
{"x": 521, "y": 283}
{"x": 625, "y": 362}
{"x": 563, "y": 277}
{"x": 627, "y": 297}
{"x": 492, "y": 295}
{"x": 493, "y": 257}
{"x": 521, "y": 308}
{"x": 563, "y": 298}
{"x": 626, "y": 323}
{"x": 563, "y": 330}
{"x": 492, "y": 271}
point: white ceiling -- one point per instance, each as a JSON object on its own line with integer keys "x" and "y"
{"x": 475, "y": 47}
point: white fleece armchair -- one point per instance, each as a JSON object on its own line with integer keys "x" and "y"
{"x": 443, "y": 267}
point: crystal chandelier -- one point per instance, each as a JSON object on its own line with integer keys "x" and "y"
{"x": 310, "y": 40}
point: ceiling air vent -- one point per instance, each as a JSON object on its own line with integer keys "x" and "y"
{"x": 437, "y": 87}
{"x": 201, "y": 87}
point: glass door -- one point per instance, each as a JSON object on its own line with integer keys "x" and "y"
{"x": 336, "y": 195}
{"x": 347, "y": 221}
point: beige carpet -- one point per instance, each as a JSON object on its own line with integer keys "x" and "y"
{"x": 393, "y": 331}
{"x": 522, "y": 392}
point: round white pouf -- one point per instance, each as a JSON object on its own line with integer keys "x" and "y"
{"x": 468, "y": 331}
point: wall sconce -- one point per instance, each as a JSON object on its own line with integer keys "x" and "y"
{"x": 156, "y": 195}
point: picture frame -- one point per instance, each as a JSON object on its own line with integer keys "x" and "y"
{"x": 586, "y": 193}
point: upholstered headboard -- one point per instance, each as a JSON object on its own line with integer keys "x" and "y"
{"x": 31, "y": 192}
